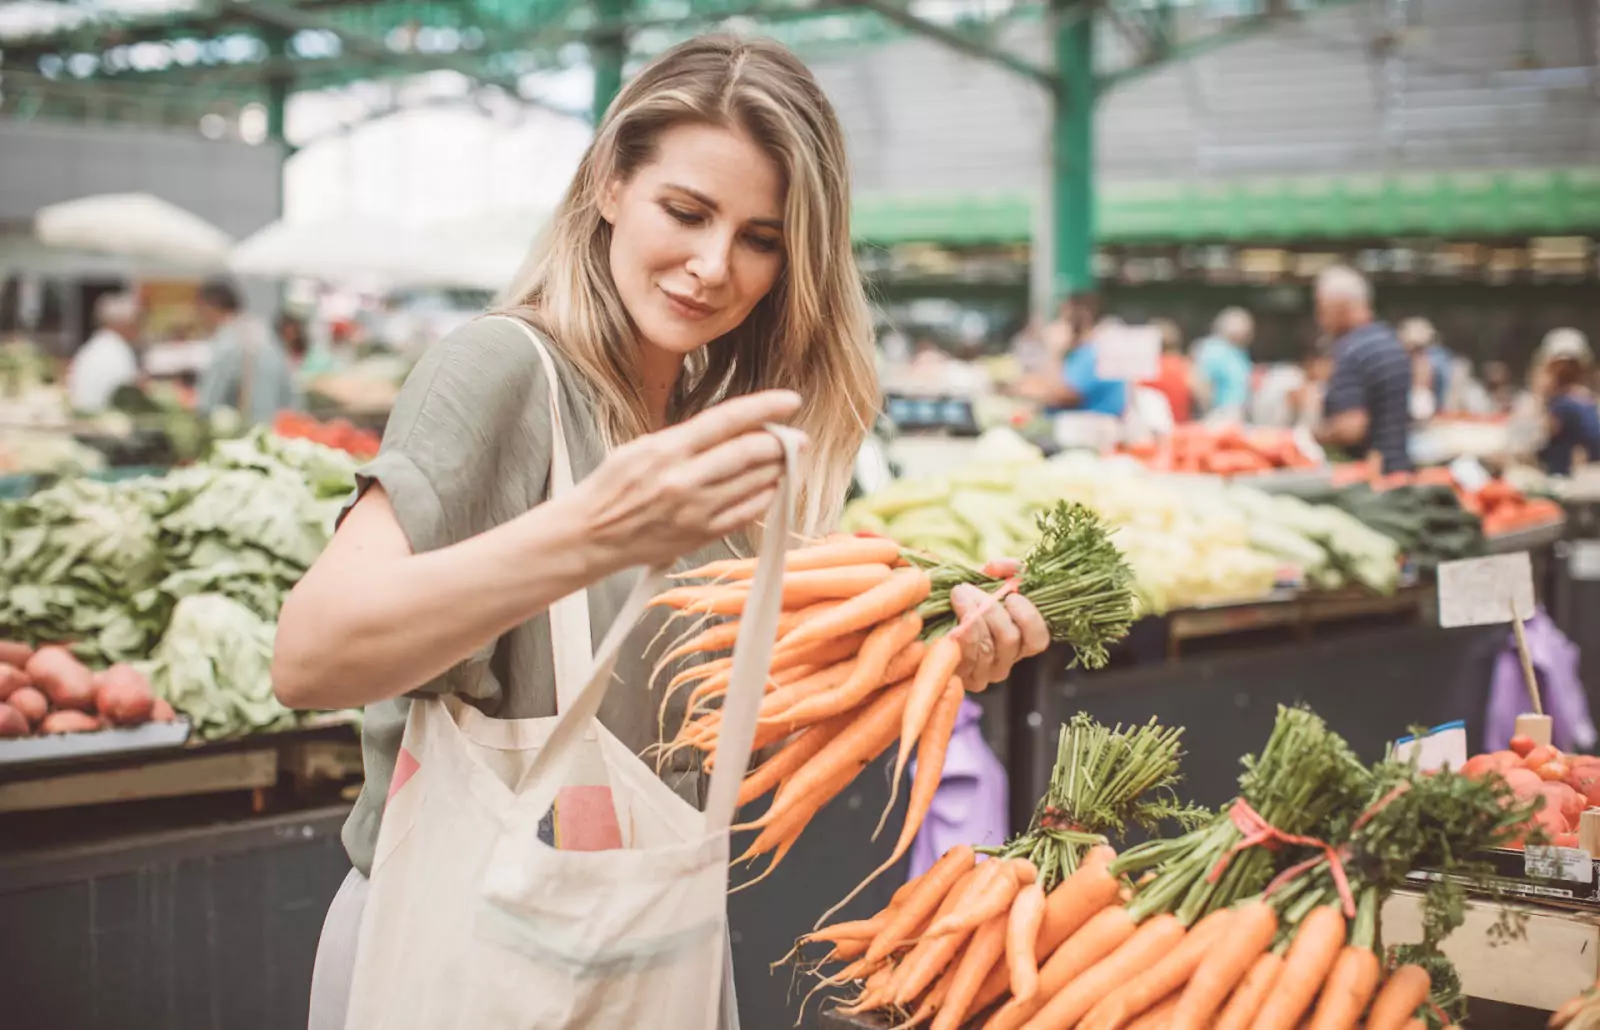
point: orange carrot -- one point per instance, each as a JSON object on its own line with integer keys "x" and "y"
{"x": 903, "y": 590}
{"x": 781, "y": 707}
{"x": 801, "y": 589}
{"x": 1154, "y": 937}
{"x": 1022, "y": 934}
{"x": 796, "y": 753}
{"x": 888, "y": 640}
{"x": 986, "y": 948}
{"x": 931, "y": 954}
{"x": 842, "y": 758}
{"x": 939, "y": 663}
{"x": 1088, "y": 891}
{"x": 855, "y": 929}
{"x": 934, "y": 1000}
{"x": 1350, "y": 985}
{"x": 991, "y": 897}
{"x": 1251, "y": 994}
{"x": 1398, "y": 998}
{"x": 849, "y": 551}
{"x": 1102, "y": 935}
{"x": 725, "y": 634}
{"x": 1220, "y": 971}
{"x": 1167, "y": 975}
{"x": 933, "y": 888}
{"x": 1316, "y": 944}
{"x": 930, "y": 771}
{"x": 1158, "y": 1018}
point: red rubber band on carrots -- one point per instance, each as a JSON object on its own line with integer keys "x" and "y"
{"x": 1258, "y": 833}
{"x": 1336, "y": 857}
{"x": 1008, "y": 587}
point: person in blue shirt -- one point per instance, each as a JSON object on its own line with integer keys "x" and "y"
{"x": 1422, "y": 341}
{"x": 1078, "y": 386}
{"x": 1222, "y": 364}
{"x": 1572, "y": 420}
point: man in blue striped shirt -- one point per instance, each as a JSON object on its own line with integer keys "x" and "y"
{"x": 1367, "y": 407}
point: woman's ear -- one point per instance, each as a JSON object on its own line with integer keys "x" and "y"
{"x": 610, "y": 200}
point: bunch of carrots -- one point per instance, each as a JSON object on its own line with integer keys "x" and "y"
{"x": 867, "y": 654}
{"x": 1239, "y": 923}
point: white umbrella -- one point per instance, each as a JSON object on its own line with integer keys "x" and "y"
{"x": 135, "y": 225}
{"x": 365, "y": 249}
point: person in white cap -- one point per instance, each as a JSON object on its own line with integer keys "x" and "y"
{"x": 107, "y": 361}
{"x": 1561, "y": 371}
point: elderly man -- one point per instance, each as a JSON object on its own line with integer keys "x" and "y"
{"x": 1222, "y": 364}
{"x": 1367, "y": 406}
{"x": 107, "y": 361}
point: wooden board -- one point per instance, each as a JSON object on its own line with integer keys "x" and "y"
{"x": 1559, "y": 956}
{"x": 200, "y": 774}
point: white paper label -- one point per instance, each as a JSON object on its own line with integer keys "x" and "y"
{"x": 1130, "y": 352}
{"x": 1583, "y": 562}
{"x": 1559, "y": 864}
{"x": 1469, "y": 473}
{"x": 1485, "y": 591}
{"x": 1443, "y": 747}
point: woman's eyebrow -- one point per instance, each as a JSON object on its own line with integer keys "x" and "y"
{"x": 767, "y": 223}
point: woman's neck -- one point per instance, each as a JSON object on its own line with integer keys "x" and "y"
{"x": 658, "y": 376}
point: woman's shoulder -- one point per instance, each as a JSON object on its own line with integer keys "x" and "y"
{"x": 491, "y": 365}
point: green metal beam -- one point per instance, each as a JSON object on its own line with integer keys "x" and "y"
{"x": 893, "y": 12}
{"x": 1072, "y": 213}
{"x": 608, "y": 49}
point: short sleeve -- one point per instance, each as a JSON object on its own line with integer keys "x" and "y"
{"x": 467, "y": 445}
{"x": 1346, "y": 391}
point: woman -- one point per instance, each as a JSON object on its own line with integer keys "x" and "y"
{"x": 1571, "y": 421}
{"x": 701, "y": 253}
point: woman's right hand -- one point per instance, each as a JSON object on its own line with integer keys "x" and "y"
{"x": 672, "y": 492}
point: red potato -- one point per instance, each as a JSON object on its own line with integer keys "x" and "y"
{"x": 1553, "y": 771}
{"x": 1565, "y": 800}
{"x": 1478, "y": 765}
{"x": 1551, "y": 821}
{"x": 12, "y": 679}
{"x": 33, "y": 705}
{"x": 161, "y": 711}
{"x": 1525, "y": 782}
{"x": 1539, "y": 756}
{"x": 69, "y": 722}
{"x": 12, "y": 722}
{"x": 122, "y": 696}
{"x": 65, "y": 680}
{"x": 14, "y": 653}
{"x": 1566, "y": 840}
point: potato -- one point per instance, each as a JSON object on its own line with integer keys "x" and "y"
{"x": 12, "y": 679}
{"x": 123, "y": 696}
{"x": 12, "y": 723}
{"x": 67, "y": 682}
{"x": 69, "y": 722}
{"x": 14, "y": 653}
{"x": 33, "y": 705}
{"x": 162, "y": 711}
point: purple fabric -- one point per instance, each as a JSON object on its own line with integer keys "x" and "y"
{"x": 970, "y": 804}
{"x": 1555, "y": 666}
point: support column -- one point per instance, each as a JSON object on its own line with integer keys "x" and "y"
{"x": 608, "y": 48}
{"x": 1072, "y": 154}
{"x": 280, "y": 83}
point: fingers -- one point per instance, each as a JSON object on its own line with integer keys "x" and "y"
{"x": 734, "y": 458}
{"x": 738, "y": 516}
{"x": 977, "y": 642}
{"x": 1007, "y": 641}
{"x": 732, "y": 418}
{"x": 1035, "y": 631}
{"x": 1001, "y": 568}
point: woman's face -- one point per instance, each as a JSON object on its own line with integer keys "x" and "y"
{"x": 697, "y": 236}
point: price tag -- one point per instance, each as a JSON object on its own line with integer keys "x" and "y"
{"x": 1583, "y": 561}
{"x": 1469, "y": 473}
{"x": 1443, "y": 747}
{"x": 1572, "y": 864}
{"x": 1130, "y": 352}
{"x": 1484, "y": 591}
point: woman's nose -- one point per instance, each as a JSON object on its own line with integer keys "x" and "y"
{"x": 709, "y": 263}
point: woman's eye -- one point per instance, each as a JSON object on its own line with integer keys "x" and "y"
{"x": 685, "y": 217}
{"x": 766, "y": 244}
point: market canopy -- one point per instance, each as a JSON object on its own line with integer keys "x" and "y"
{"x": 372, "y": 250}
{"x": 1445, "y": 203}
{"x": 134, "y": 225}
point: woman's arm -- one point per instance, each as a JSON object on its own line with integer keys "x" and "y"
{"x": 371, "y": 620}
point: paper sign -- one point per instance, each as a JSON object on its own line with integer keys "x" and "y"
{"x": 1130, "y": 352}
{"x": 1483, "y": 591}
{"x": 1551, "y": 863}
{"x": 1469, "y": 473}
{"x": 1443, "y": 747}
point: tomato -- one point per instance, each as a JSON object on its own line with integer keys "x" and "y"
{"x": 1538, "y": 756}
{"x": 1522, "y": 745}
{"x": 1554, "y": 771}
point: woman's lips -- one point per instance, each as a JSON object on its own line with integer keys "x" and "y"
{"x": 687, "y": 307}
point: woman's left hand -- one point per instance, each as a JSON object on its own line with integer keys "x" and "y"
{"x": 1003, "y": 635}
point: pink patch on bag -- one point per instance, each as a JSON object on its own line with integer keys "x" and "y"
{"x": 405, "y": 766}
{"x": 586, "y": 820}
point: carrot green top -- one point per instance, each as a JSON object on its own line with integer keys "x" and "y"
{"x": 467, "y": 448}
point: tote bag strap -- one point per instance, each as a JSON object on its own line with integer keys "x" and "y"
{"x": 570, "y": 631}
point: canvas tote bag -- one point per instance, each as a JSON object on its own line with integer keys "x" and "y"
{"x": 474, "y": 920}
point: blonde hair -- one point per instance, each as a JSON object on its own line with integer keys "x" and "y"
{"x": 812, "y": 333}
